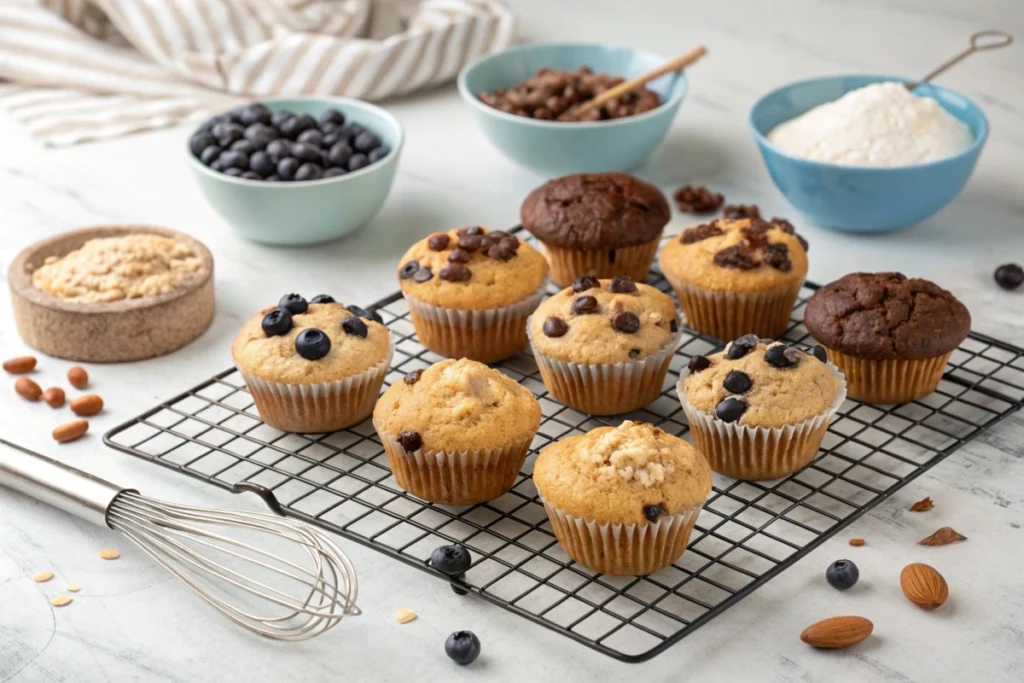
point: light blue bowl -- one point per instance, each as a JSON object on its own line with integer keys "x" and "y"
{"x": 312, "y": 211}
{"x": 551, "y": 148}
{"x": 859, "y": 198}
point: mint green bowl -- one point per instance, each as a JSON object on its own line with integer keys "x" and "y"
{"x": 312, "y": 211}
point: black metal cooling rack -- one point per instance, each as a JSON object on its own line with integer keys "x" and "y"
{"x": 748, "y": 532}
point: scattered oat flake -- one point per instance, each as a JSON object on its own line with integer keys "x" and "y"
{"x": 73, "y": 588}
{"x": 857, "y": 542}
{"x": 943, "y": 536}
{"x": 61, "y": 600}
{"x": 923, "y": 505}
{"x": 404, "y": 615}
{"x": 43, "y": 576}
{"x": 110, "y": 554}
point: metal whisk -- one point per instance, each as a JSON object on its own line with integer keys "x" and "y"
{"x": 266, "y": 593}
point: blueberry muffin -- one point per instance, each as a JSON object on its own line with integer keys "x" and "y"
{"x": 597, "y": 224}
{"x": 604, "y": 346}
{"x": 471, "y": 290}
{"x": 623, "y": 500}
{"x": 456, "y": 433}
{"x": 759, "y": 409}
{"x": 314, "y": 366}
{"x": 736, "y": 277}
{"x": 889, "y": 334}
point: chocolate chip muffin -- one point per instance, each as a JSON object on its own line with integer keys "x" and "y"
{"x": 597, "y": 224}
{"x": 759, "y": 409}
{"x": 313, "y": 366}
{"x": 604, "y": 346}
{"x": 471, "y": 290}
{"x": 623, "y": 500}
{"x": 890, "y": 335}
{"x": 458, "y": 432}
{"x": 736, "y": 277}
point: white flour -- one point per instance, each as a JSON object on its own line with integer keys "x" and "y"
{"x": 882, "y": 124}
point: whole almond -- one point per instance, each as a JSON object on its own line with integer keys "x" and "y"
{"x": 923, "y": 586}
{"x": 87, "y": 405}
{"x": 54, "y": 397}
{"x": 78, "y": 377}
{"x": 28, "y": 389}
{"x": 19, "y": 365}
{"x": 837, "y": 632}
{"x": 69, "y": 431}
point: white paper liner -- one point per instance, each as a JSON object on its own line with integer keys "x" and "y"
{"x": 490, "y": 317}
{"x": 623, "y": 549}
{"x": 730, "y": 315}
{"x": 758, "y": 453}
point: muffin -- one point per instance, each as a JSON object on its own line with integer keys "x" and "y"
{"x": 457, "y": 432}
{"x": 759, "y": 409}
{"x": 471, "y": 290}
{"x": 889, "y": 334}
{"x": 597, "y": 224}
{"x": 623, "y": 500}
{"x": 737, "y": 277}
{"x": 604, "y": 346}
{"x": 314, "y": 366}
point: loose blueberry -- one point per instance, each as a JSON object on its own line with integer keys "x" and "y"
{"x": 260, "y": 135}
{"x": 243, "y": 146}
{"x": 277, "y": 322}
{"x": 463, "y": 647}
{"x": 332, "y": 116}
{"x": 730, "y": 409}
{"x": 294, "y": 303}
{"x": 226, "y": 133}
{"x": 742, "y": 346}
{"x": 239, "y": 160}
{"x": 309, "y": 172}
{"x": 377, "y": 154}
{"x": 842, "y": 574}
{"x": 254, "y": 113}
{"x": 311, "y": 137}
{"x": 332, "y": 138}
{"x": 352, "y": 130}
{"x": 272, "y": 179}
{"x": 366, "y": 141}
{"x": 233, "y": 172}
{"x": 737, "y": 382}
{"x": 334, "y": 172}
{"x": 340, "y": 154}
{"x": 262, "y": 164}
{"x": 357, "y": 162}
{"x": 287, "y": 167}
{"x": 452, "y": 560}
{"x": 1009, "y": 276}
{"x": 251, "y": 175}
{"x": 820, "y": 353}
{"x": 698, "y": 363}
{"x": 210, "y": 154}
{"x": 294, "y": 126}
{"x": 355, "y": 326}
{"x": 322, "y": 299}
{"x": 279, "y": 117}
{"x": 363, "y": 313}
{"x": 200, "y": 141}
{"x": 304, "y": 152}
{"x": 776, "y": 356}
{"x": 279, "y": 149}
{"x": 312, "y": 344}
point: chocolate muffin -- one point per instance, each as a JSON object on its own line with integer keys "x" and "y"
{"x": 597, "y": 224}
{"x": 890, "y": 335}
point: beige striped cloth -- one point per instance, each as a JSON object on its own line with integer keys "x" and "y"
{"x": 78, "y": 70}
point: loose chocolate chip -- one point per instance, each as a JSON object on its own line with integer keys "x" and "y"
{"x": 700, "y": 232}
{"x": 472, "y": 230}
{"x": 438, "y": 241}
{"x": 413, "y": 377}
{"x": 741, "y": 346}
{"x": 626, "y": 322}
{"x": 820, "y": 353}
{"x": 633, "y": 353}
{"x": 584, "y": 304}
{"x": 423, "y": 274}
{"x": 730, "y": 409}
{"x": 409, "y": 269}
{"x": 455, "y": 272}
{"x": 652, "y": 512}
{"x": 470, "y": 242}
{"x": 777, "y": 256}
{"x": 355, "y": 326}
{"x": 697, "y": 199}
{"x": 458, "y": 256}
{"x": 322, "y": 299}
{"x": 698, "y": 363}
{"x": 622, "y": 284}
{"x": 737, "y": 382}
{"x": 500, "y": 253}
{"x": 736, "y": 256}
{"x": 776, "y": 356}
{"x": 673, "y": 326}
{"x": 410, "y": 441}
{"x": 277, "y": 322}
{"x": 582, "y": 284}
{"x": 736, "y": 211}
{"x": 555, "y": 327}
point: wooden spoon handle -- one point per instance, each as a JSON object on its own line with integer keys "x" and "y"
{"x": 680, "y": 62}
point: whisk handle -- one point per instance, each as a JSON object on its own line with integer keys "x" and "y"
{"x": 62, "y": 486}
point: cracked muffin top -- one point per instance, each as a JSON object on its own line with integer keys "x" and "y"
{"x": 592, "y": 211}
{"x": 887, "y": 316}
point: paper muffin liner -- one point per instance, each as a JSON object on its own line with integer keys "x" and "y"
{"x": 730, "y": 315}
{"x": 623, "y": 549}
{"x": 487, "y": 336}
{"x": 569, "y": 264}
{"x": 889, "y": 381}
{"x": 455, "y": 477}
{"x": 606, "y": 388}
{"x": 757, "y": 453}
{"x": 320, "y": 407}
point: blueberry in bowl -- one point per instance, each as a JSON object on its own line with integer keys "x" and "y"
{"x": 297, "y": 171}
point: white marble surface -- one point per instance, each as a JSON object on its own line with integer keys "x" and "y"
{"x": 133, "y": 623}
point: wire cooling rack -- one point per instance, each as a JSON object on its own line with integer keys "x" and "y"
{"x": 747, "y": 533}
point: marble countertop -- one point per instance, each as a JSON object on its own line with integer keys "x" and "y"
{"x": 133, "y": 622}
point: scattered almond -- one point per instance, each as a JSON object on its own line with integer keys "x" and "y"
{"x": 73, "y": 588}
{"x": 78, "y": 377}
{"x": 404, "y": 615}
{"x": 857, "y": 542}
{"x": 110, "y": 554}
{"x": 43, "y": 576}
{"x": 20, "y": 365}
{"x": 923, "y": 505}
{"x": 28, "y": 389}
{"x": 61, "y": 600}
{"x": 54, "y": 397}
{"x": 943, "y": 536}
{"x": 837, "y": 632}
{"x": 69, "y": 431}
{"x": 923, "y": 586}
{"x": 87, "y": 405}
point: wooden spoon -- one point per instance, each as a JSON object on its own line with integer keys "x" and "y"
{"x": 677, "y": 64}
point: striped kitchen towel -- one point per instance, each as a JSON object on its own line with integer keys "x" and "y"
{"x": 77, "y": 70}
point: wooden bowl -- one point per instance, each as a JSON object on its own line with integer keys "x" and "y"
{"x": 115, "y": 332}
